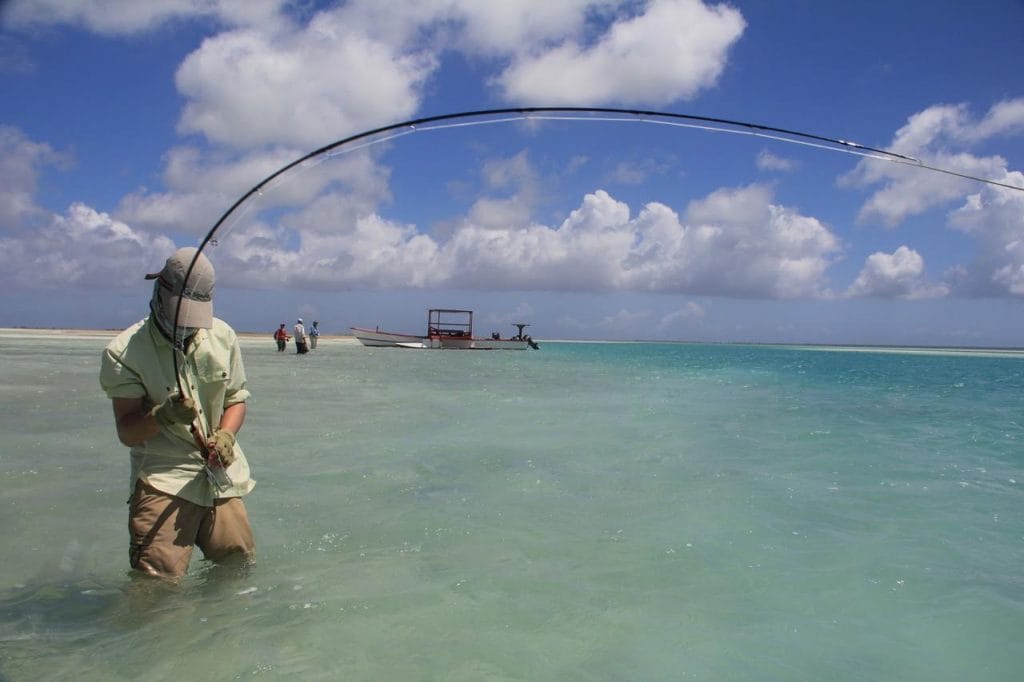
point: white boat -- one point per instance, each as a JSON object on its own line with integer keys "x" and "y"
{"x": 375, "y": 337}
{"x": 447, "y": 329}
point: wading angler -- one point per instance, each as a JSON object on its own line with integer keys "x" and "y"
{"x": 180, "y": 416}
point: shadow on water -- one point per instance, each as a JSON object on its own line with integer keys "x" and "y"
{"x": 47, "y": 617}
{"x": 52, "y": 615}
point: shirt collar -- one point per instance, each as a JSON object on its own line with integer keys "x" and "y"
{"x": 160, "y": 340}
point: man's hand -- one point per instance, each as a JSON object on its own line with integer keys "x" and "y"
{"x": 175, "y": 410}
{"x": 221, "y": 448}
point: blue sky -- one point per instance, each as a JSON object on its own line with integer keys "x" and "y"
{"x": 128, "y": 128}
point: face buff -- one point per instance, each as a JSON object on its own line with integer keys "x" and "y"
{"x": 163, "y": 323}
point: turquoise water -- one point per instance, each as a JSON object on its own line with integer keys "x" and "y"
{"x": 585, "y": 512}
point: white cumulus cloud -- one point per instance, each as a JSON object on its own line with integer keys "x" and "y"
{"x": 735, "y": 242}
{"x": 477, "y": 28}
{"x": 942, "y": 136}
{"x": 770, "y": 162}
{"x": 938, "y": 136}
{"x": 995, "y": 218}
{"x": 895, "y": 275}
{"x": 670, "y": 51}
{"x": 247, "y": 88}
{"x": 200, "y": 186}
{"x": 20, "y": 161}
{"x": 81, "y": 247}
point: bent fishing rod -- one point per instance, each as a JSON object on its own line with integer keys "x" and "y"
{"x": 596, "y": 114}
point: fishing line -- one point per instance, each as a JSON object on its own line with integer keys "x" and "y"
{"x": 616, "y": 115}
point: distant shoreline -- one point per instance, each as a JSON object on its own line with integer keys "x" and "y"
{"x": 72, "y": 333}
{"x": 27, "y": 332}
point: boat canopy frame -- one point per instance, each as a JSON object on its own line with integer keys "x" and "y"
{"x": 450, "y": 322}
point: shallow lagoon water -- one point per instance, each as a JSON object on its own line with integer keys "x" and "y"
{"x": 588, "y": 512}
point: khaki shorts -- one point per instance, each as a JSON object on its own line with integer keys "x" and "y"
{"x": 164, "y": 528}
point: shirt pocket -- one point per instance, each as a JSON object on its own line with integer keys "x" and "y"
{"x": 212, "y": 369}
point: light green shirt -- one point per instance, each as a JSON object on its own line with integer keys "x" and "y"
{"x": 138, "y": 363}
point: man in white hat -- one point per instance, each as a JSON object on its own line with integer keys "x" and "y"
{"x": 188, "y": 474}
{"x": 299, "y": 332}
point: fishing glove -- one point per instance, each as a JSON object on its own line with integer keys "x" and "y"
{"x": 175, "y": 410}
{"x": 222, "y": 448}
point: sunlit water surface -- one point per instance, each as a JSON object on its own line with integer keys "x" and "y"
{"x": 583, "y": 512}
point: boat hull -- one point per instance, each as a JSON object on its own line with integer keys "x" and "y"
{"x": 379, "y": 339}
{"x": 464, "y": 343}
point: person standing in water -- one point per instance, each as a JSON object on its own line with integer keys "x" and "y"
{"x": 314, "y": 334}
{"x": 188, "y": 473}
{"x": 300, "y": 338}
{"x": 281, "y": 336}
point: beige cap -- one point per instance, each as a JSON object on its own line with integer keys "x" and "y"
{"x": 197, "y": 302}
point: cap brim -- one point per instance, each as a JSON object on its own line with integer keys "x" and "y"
{"x": 197, "y": 314}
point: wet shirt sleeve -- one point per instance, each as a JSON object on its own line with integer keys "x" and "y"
{"x": 235, "y": 391}
{"x": 117, "y": 379}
